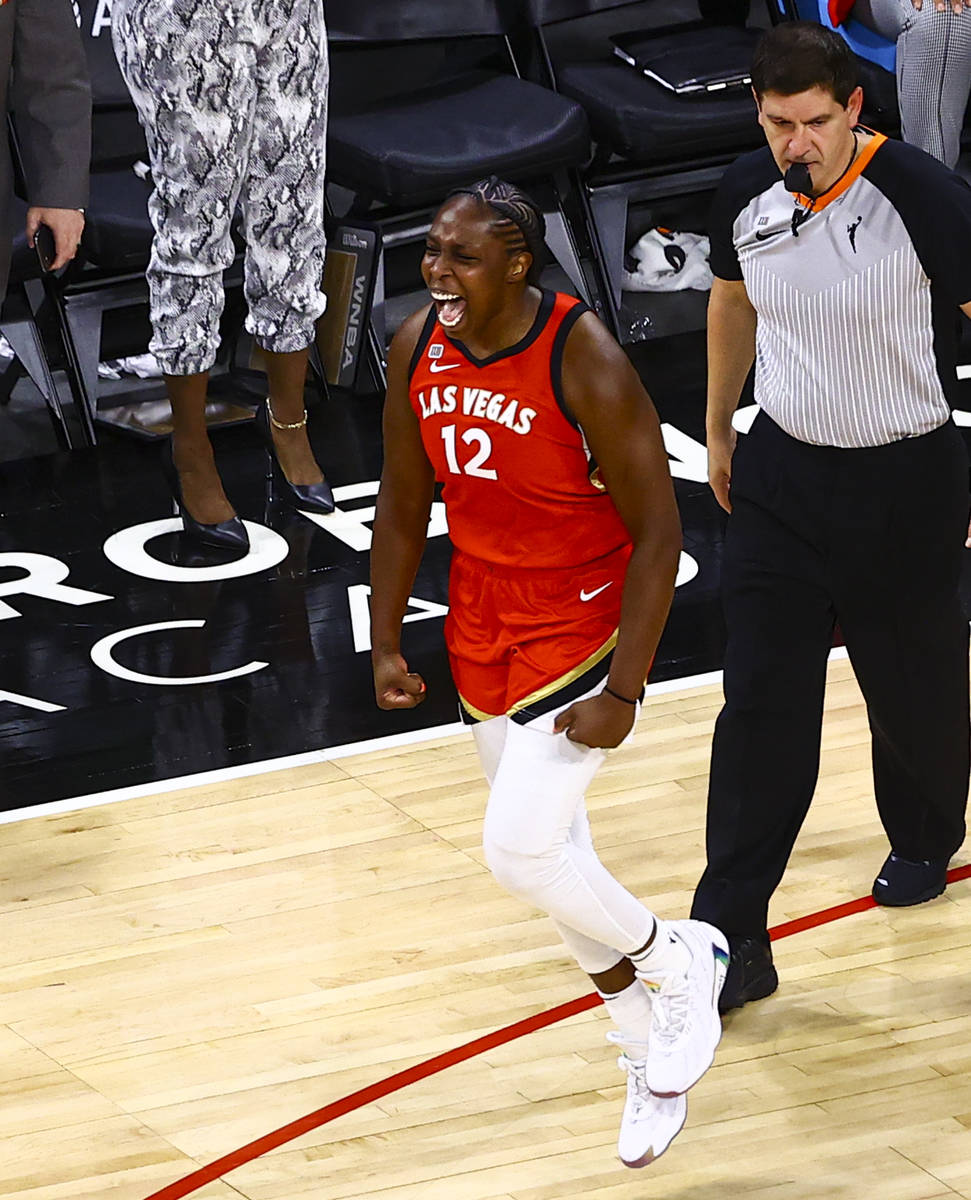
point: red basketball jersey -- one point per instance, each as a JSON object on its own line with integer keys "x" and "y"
{"x": 513, "y": 461}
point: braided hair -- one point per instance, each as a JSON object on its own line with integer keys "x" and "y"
{"x": 517, "y": 219}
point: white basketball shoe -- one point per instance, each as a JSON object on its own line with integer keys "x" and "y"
{"x": 685, "y": 1025}
{"x": 650, "y": 1123}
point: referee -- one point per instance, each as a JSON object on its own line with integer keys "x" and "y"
{"x": 840, "y": 260}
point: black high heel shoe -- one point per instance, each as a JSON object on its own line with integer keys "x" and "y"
{"x": 314, "y": 497}
{"x": 228, "y": 535}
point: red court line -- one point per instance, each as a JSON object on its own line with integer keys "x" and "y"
{"x": 441, "y": 1062}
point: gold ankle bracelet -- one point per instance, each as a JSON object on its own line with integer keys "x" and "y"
{"x": 282, "y": 424}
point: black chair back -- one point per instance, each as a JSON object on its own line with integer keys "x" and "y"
{"x": 547, "y": 12}
{"x": 429, "y": 94}
{"x": 107, "y": 85}
{"x": 117, "y": 137}
{"x": 414, "y": 20}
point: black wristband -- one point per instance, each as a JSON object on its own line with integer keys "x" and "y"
{"x": 617, "y": 696}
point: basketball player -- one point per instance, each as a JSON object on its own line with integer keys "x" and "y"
{"x": 560, "y": 584}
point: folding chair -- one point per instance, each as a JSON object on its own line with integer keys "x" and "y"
{"x": 652, "y": 142}
{"x": 442, "y": 103}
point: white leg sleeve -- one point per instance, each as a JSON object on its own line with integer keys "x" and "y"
{"x": 592, "y": 956}
{"x": 490, "y": 737}
{"x": 535, "y": 806}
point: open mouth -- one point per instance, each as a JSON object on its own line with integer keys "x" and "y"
{"x": 451, "y": 308}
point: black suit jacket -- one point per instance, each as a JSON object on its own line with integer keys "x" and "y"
{"x": 44, "y": 81}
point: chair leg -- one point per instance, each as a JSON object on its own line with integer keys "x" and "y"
{"x": 24, "y": 336}
{"x": 84, "y": 394}
{"x": 10, "y": 376}
{"x": 81, "y": 331}
{"x": 318, "y": 372}
{"x": 379, "y": 326}
{"x": 608, "y": 216}
{"x": 376, "y": 354}
{"x": 377, "y": 361}
{"x": 561, "y": 243}
{"x": 586, "y": 247}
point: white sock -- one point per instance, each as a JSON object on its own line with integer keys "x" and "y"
{"x": 630, "y": 1011}
{"x": 665, "y": 956}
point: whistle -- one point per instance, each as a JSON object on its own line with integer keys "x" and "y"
{"x": 798, "y": 179}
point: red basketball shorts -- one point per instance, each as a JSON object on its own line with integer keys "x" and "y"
{"x": 521, "y": 642}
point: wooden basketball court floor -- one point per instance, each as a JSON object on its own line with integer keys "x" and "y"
{"x": 309, "y": 950}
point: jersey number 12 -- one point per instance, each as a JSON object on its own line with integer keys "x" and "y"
{"x": 476, "y": 464}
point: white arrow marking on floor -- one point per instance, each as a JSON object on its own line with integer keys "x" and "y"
{"x": 352, "y": 525}
{"x": 688, "y": 458}
{"x": 687, "y": 569}
{"x": 358, "y": 595}
{"x": 743, "y": 418}
{"x": 963, "y": 419}
{"x": 30, "y": 702}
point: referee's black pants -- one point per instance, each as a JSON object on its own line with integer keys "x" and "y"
{"x": 873, "y": 539}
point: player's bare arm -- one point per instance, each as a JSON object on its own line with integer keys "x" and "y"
{"x": 731, "y": 352}
{"x": 604, "y": 393}
{"x": 400, "y": 528}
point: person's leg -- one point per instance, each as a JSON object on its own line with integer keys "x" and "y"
{"x": 192, "y": 454}
{"x": 192, "y": 86}
{"x": 779, "y": 617}
{"x": 283, "y": 214}
{"x": 490, "y": 737}
{"x": 611, "y": 971}
{"x": 888, "y": 18}
{"x": 933, "y": 70}
{"x": 537, "y": 846}
{"x": 615, "y": 978}
{"x": 297, "y": 476}
{"x": 537, "y": 789}
{"x": 901, "y": 616}
{"x": 536, "y": 836}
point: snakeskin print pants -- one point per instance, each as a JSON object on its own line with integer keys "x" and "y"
{"x": 933, "y": 70}
{"x": 232, "y": 95}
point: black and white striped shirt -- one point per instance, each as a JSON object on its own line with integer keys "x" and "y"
{"x": 856, "y": 340}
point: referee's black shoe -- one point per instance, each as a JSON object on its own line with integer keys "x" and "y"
{"x": 751, "y": 974}
{"x": 902, "y": 882}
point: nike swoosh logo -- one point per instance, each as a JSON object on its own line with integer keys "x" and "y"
{"x": 585, "y": 596}
{"x": 435, "y": 367}
{"x": 764, "y": 237}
